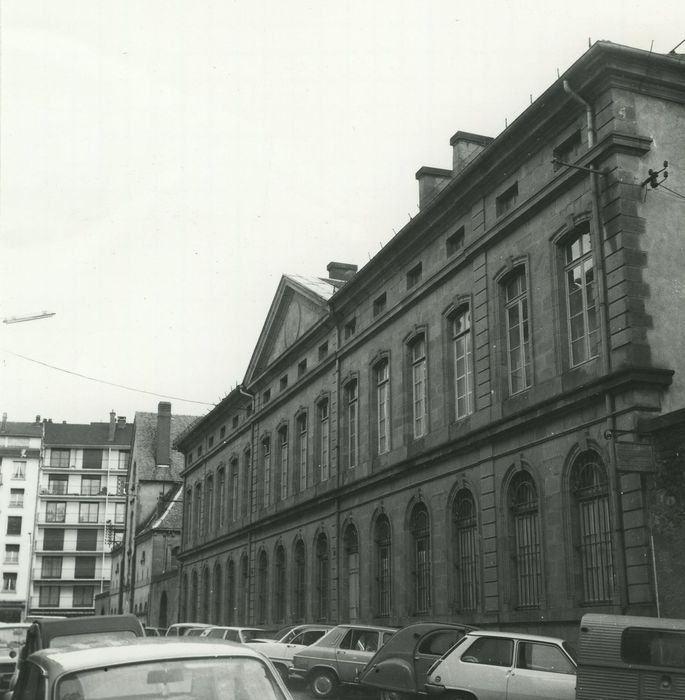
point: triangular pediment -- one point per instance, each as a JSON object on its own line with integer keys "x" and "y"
{"x": 298, "y": 305}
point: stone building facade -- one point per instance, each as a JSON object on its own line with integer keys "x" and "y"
{"x": 456, "y": 430}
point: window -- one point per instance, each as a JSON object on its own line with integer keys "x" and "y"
{"x": 210, "y": 439}
{"x": 455, "y": 242}
{"x": 527, "y": 560}
{"x": 324, "y": 440}
{"x": 302, "y": 450}
{"x": 247, "y": 479}
{"x": 197, "y": 511}
{"x": 382, "y": 372}
{"x": 322, "y": 577}
{"x": 119, "y": 512}
{"x": 55, "y": 512}
{"x": 84, "y": 567}
{"x": 323, "y": 351}
{"x": 463, "y": 371}
{"x": 383, "y": 566}
{"x": 209, "y": 508}
{"x": 57, "y": 485}
{"x": 350, "y": 578}
{"x": 11, "y": 554}
{"x": 567, "y": 150}
{"x": 352, "y": 422}
{"x": 122, "y": 487}
{"x": 301, "y": 367}
{"x": 418, "y": 377}
{"x": 14, "y": 525}
{"x": 53, "y": 540}
{"x": 123, "y": 460}
{"x": 592, "y": 527}
{"x": 507, "y": 200}
{"x": 660, "y": 648}
{"x": 49, "y": 597}
{"x": 86, "y": 540}
{"x": 266, "y": 396}
{"x": 90, "y": 485}
{"x": 583, "y": 326}
{"x": 92, "y": 459}
{"x": 51, "y": 567}
{"x": 16, "y": 498}
{"x": 266, "y": 472}
{"x": 350, "y": 328}
{"x": 88, "y": 512}
{"x": 536, "y": 656}
{"x": 421, "y": 559}
{"x": 283, "y": 459}
{"x": 235, "y": 421}
{"x": 19, "y": 469}
{"x": 262, "y": 574}
{"x": 491, "y": 651}
{"x": 235, "y": 495}
{"x": 379, "y": 304}
{"x": 279, "y": 586}
{"x": 60, "y": 458}
{"x": 83, "y": 596}
{"x": 414, "y": 275}
{"x": 221, "y": 495}
{"x": 300, "y": 587}
{"x": 9, "y": 581}
{"x": 465, "y": 552}
{"x": 518, "y": 332}
{"x": 284, "y": 382}
{"x": 222, "y": 432}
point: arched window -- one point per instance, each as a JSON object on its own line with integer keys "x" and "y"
{"x": 466, "y": 560}
{"x": 420, "y": 532}
{"x": 265, "y": 481}
{"x": 247, "y": 477}
{"x": 280, "y": 591}
{"x": 383, "y": 566}
{"x": 592, "y": 527}
{"x": 525, "y": 516}
{"x": 350, "y": 565}
{"x": 194, "y": 593}
{"x": 262, "y": 573}
{"x": 244, "y": 605}
{"x": 230, "y": 594}
{"x": 206, "y": 594}
{"x": 463, "y": 362}
{"x": 322, "y": 577}
{"x": 218, "y": 589}
{"x": 162, "y": 617}
{"x": 209, "y": 508}
{"x": 220, "y": 498}
{"x": 183, "y": 616}
{"x": 302, "y": 462}
{"x": 299, "y": 583}
{"x": 283, "y": 463}
{"x": 351, "y": 423}
{"x": 382, "y": 377}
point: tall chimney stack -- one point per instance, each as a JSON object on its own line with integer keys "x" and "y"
{"x": 112, "y": 425}
{"x": 163, "y": 454}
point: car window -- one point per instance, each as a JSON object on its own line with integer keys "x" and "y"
{"x": 543, "y": 657}
{"x": 360, "y": 640}
{"x": 437, "y": 643}
{"x": 232, "y": 636}
{"x": 31, "y": 683}
{"x": 310, "y": 637}
{"x": 216, "y": 633}
{"x": 492, "y": 651}
{"x": 386, "y": 636}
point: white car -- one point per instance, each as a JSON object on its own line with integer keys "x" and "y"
{"x": 487, "y": 665}
{"x": 281, "y": 651}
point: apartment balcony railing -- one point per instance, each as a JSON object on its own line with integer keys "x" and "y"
{"x": 90, "y": 493}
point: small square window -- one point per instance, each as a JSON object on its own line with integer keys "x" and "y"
{"x": 507, "y": 200}
{"x": 302, "y": 367}
{"x": 455, "y": 242}
{"x": 199, "y": 450}
{"x": 414, "y": 275}
{"x": 210, "y": 441}
{"x": 350, "y": 328}
{"x": 284, "y": 382}
{"x": 567, "y": 150}
{"x": 323, "y": 350}
{"x": 379, "y": 304}
{"x": 222, "y": 432}
{"x": 266, "y": 396}
{"x": 234, "y": 422}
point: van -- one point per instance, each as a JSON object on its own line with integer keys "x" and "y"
{"x": 12, "y": 637}
{"x": 625, "y": 656}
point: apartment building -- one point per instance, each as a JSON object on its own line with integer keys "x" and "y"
{"x": 470, "y": 426}
{"x": 20, "y": 445}
{"x": 80, "y": 509}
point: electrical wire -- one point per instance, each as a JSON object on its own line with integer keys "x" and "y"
{"x": 668, "y": 189}
{"x": 103, "y": 381}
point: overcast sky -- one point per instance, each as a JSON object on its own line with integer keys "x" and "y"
{"x": 164, "y": 162}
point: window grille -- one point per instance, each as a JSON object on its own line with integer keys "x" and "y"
{"x": 280, "y": 592}
{"x": 466, "y": 552}
{"x": 527, "y": 554}
{"x": 422, "y": 579}
{"x": 352, "y": 564}
{"x": 300, "y": 582}
{"x": 322, "y": 577}
{"x": 383, "y": 564}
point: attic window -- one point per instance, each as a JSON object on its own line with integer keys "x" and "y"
{"x": 210, "y": 441}
{"x": 222, "y": 432}
{"x": 234, "y": 422}
{"x": 266, "y": 396}
{"x": 455, "y": 242}
{"x": 284, "y": 382}
{"x": 199, "y": 450}
{"x": 302, "y": 367}
{"x": 507, "y": 200}
{"x": 350, "y": 328}
{"x": 379, "y": 304}
{"x": 567, "y": 150}
{"x": 414, "y": 275}
{"x": 323, "y": 350}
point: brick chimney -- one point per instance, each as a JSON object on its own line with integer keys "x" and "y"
{"x": 112, "y": 425}
{"x": 465, "y": 147}
{"x": 431, "y": 181}
{"x": 341, "y": 271}
{"x": 163, "y": 450}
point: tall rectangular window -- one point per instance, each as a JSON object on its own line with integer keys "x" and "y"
{"x": 382, "y": 406}
{"x": 266, "y": 469}
{"x": 11, "y": 554}
{"x": 463, "y": 371}
{"x": 418, "y": 373}
{"x": 51, "y": 567}
{"x": 55, "y": 512}
{"x": 352, "y": 423}
{"x": 247, "y": 479}
{"x": 221, "y": 495}
{"x": 60, "y": 458}
{"x": 49, "y": 597}
{"x": 583, "y": 324}
{"x": 119, "y": 512}
{"x": 123, "y": 460}
{"x": 83, "y": 596}
{"x": 235, "y": 493}
{"x": 518, "y": 333}
{"x": 9, "y": 581}
{"x": 88, "y": 512}
{"x": 16, "y": 498}
{"x": 90, "y": 485}
{"x": 209, "y": 495}
{"x": 57, "y": 485}
{"x": 302, "y": 449}
{"x": 14, "y": 525}
{"x": 19, "y": 469}
{"x": 324, "y": 440}
{"x": 283, "y": 456}
{"x": 197, "y": 511}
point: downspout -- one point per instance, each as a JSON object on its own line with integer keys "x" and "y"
{"x": 597, "y": 234}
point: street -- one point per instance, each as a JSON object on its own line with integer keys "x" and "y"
{"x": 300, "y": 691}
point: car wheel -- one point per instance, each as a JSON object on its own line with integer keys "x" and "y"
{"x": 396, "y": 695}
{"x": 323, "y": 684}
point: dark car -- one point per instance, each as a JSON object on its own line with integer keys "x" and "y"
{"x": 400, "y": 667}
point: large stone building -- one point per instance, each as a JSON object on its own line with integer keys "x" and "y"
{"x": 466, "y": 427}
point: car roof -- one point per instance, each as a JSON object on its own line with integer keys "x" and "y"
{"x": 372, "y": 628}
{"x": 222, "y": 627}
{"x": 515, "y": 635}
{"x": 76, "y": 657}
{"x": 86, "y": 625}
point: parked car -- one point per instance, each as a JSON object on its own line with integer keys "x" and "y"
{"x": 154, "y": 631}
{"x": 338, "y": 657}
{"x": 281, "y": 651}
{"x": 12, "y": 637}
{"x": 399, "y": 669}
{"x": 505, "y": 666}
{"x": 149, "y": 668}
{"x": 179, "y": 629}
{"x": 233, "y": 634}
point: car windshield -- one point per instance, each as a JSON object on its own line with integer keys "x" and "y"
{"x": 200, "y": 679}
{"x": 12, "y": 636}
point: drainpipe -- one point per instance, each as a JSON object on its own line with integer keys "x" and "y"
{"x": 597, "y": 233}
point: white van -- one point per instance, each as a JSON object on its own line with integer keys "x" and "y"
{"x": 624, "y": 656}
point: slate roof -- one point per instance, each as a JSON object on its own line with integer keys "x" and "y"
{"x": 168, "y": 515}
{"x": 20, "y": 429}
{"x": 321, "y": 286}
{"x": 93, "y": 434}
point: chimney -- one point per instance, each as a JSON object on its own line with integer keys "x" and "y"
{"x": 112, "y": 425}
{"x": 121, "y": 422}
{"x": 341, "y": 271}
{"x": 37, "y": 420}
{"x": 4, "y": 422}
{"x": 431, "y": 181}
{"x": 163, "y": 456}
{"x": 465, "y": 147}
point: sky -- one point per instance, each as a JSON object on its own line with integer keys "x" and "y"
{"x": 164, "y": 162}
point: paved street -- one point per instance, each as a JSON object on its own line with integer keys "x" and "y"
{"x": 301, "y": 692}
